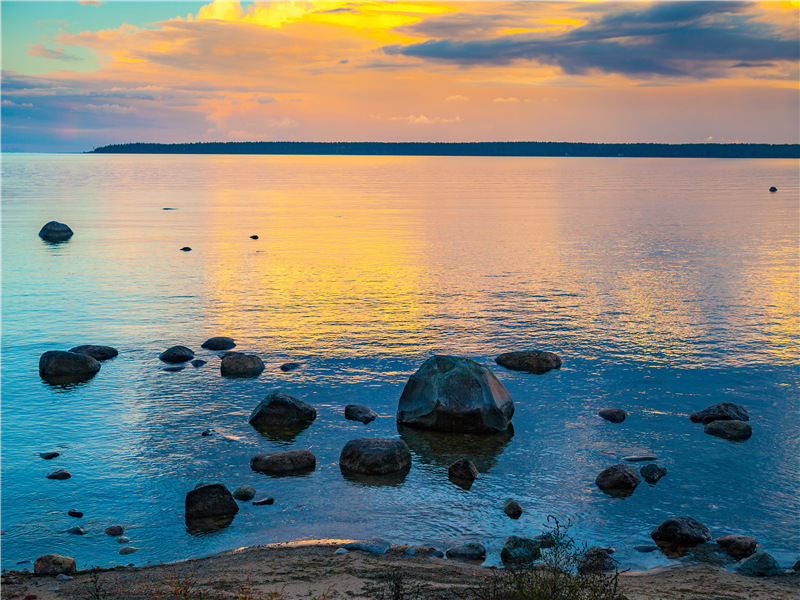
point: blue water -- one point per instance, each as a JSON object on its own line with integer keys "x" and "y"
{"x": 665, "y": 285}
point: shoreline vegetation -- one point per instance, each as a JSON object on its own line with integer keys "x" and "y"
{"x": 520, "y": 149}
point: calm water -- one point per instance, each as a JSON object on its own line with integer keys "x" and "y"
{"x": 665, "y": 285}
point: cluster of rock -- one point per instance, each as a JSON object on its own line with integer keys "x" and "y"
{"x": 74, "y": 365}
{"x": 725, "y": 420}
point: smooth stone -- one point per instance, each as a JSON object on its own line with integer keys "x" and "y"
{"x": 57, "y": 366}
{"x": 59, "y": 474}
{"x": 618, "y": 480}
{"x": 128, "y": 550}
{"x": 75, "y": 513}
{"x": 356, "y": 412}
{"x": 596, "y": 560}
{"x": 174, "y": 369}
{"x": 279, "y": 409}
{"x": 738, "y": 546}
{"x": 63, "y": 577}
{"x": 176, "y": 354}
{"x": 512, "y": 508}
{"x": 773, "y": 189}
{"x": 244, "y": 492}
{"x": 645, "y": 548}
{"x": 614, "y": 415}
{"x": 375, "y": 456}
{"x": 241, "y": 365}
{"x": 520, "y": 550}
{"x": 290, "y": 366}
{"x": 652, "y": 473}
{"x": 681, "y": 531}
{"x": 470, "y": 551}
{"x": 218, "y": 343}
{"x": 198, "y": 362}
{"x": 284, "y": 463}
{"x": 123, "y": 539}
{"x": 639, "y": 458}
{"x": 207, "y": 432}
{"x": 342, "y": 551}
{"x": 264, "y": 501}
{"x": 209, "y": 500}
{"x": 115, "y": 530}
{"x": 53, "y": 564}
{"x": 456, "y": 394}
{"x": 96, "y": 352}
{"x": 532, "y": 361}
{"x": 49, "y": 455}
{"x": 724, "y": 411}
{"x": 463, "y": 472}
{"x": 376, "y": 546}
{"x": 76, "y": 530}
{"x": 735, "y": 431}
{"x": 253, "y": 237}
{"x": 760, "y": 564}
{"x": 55, "y": 232}
{"x": 186, "y": 249}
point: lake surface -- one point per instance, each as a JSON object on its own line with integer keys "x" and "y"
{"x": 666, "y": 285}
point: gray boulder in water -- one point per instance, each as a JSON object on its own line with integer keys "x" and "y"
{"x": 618, "y": 480}
{"x": 724, "y": 411}
{"x": 450, "y": 393}
{"x": 284, "y": 463}
{"x": 734, "y": 430}
{"x": 760, "y": 564}
{"x": 279, "y": 409}
{"x": 96, "y": 352}
{"x": 209, "y": 500}
{"x": 176, "y": 354}
{"x": 57, "y": 366}
{"x": 356, "y": 412}
{"x": 614, "y": 415}
{"x": 218, "y": 343}
{"x": 737, "y": 546}
{"x": 55, "y": 232}
{"x": 463, "y": 472}
{"x": 235, "y": 364}
{"x": 532, "y": 361}
{"x": 681, "y": 531}
{"x": 375, "y": 456}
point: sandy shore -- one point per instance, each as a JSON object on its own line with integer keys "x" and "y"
{"x": 311, "y": 571}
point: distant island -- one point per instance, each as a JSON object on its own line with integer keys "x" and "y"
{"x": 465, "y": 149}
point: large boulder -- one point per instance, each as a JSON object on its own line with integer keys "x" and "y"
{"x": 450, "y": 393}
{"x": 760, "y": 564}
{"x": 532, "y": 361}
{"x": 356, "y": 412}
{"x": 284, "y": 463}
{"x": 96, "y": 352}
{"x": 176, "y": 354}
{"x": 218, "y": 343}
{"x": 375, "y": 456}
{"x": 734, "y": 430}
{"x": 737, "y": 546}
{"x": 53, "y": 564}
{"x": 55, "y": 232}
{"x": 725, "y": 411}
{"x": 519, "y": 550}
{"x": 235, "y": 364}
{"x": 57, "y": 366}
{"x": 682, "y": 532}
{"x": 618, "y": 480}
{"x": 279, "y": 409}
{"x": 596, "y": 560}
{"x": 209, "y": 500}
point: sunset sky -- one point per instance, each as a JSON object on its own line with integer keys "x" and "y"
{"x": 77, "y": 75}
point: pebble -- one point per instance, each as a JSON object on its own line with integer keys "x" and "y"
{"x": 75, "y": 513}
{"x": 263, "y": 501}
{"x": 49, "y": 455}
{"x": 128, "y": 550}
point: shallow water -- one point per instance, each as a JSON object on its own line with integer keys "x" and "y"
{"x": 666, "y": 285}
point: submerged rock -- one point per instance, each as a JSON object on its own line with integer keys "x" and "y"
{"x": 614, "y": 415}
{"x": 198, "y": 362}
{"x": 450, "y": 393}
{"x": 53, "y": 564}
{"x": 290, "y": 366}
{"x": 176, "y": 354}
{"x": 55, "y": 232}
{"x": 734, "y": 430}
{"x": 57, "y": 366}
{"x": 463, "y": 472}
{"x": 471, "y": 551}
{"x": 512, "y": 508}
{"x": 652, "y": 473}
{"x": 174, "y": 368}
{"x": 681, "y": 531}
{"x": 284, "y": 463}
{"x": 264, "y": 502}
{"x": 208, "y": 500}
{"x": 519, "y": 550}
{"x": 244, "y": 492}
{"x": 128, "y": 550}
{"x": 96, "y": 352}
{"x": 279, "y": 409}
{"x": 724, "y": 411}
{"x": 235, "y": 364}
{"x": 375, "y": 456}
{"x": 59, "y": 474}
{"x": 115, "y": 530}
{"x": 75, "y": 513}
{"x": 737, "y": 546}
{"x": 356, "y": 412}
{"x": 618, "y": 480}
{"x": 218, "y": 343}
{"x": 760, "y": 564}
{"x": 532, "y": 361}
{"x": 76, "y": 530}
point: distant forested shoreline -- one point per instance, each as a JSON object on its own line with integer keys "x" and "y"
{"x": 465, "y": 149}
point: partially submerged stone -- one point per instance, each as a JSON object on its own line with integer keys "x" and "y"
{"x": 375, "y": 456}
{"x": 652, "y": 473}
{"x": 218, "y": 343}
{"x": 280, "y": 409}
{"x": 738, "y": 546}
{"x": 733, "y": 430}
{"x": 463, "y": 472}
{"x": 284, "y": 463}
{"x": 532, "y": 361}
{"x": 681, "y": 531}
{"x": 512, "y": 508}
{"x": 55, "y": 232}
{"x": 244, "y": 492}
{"x": 357, "y": 412}
{"x": 176, "y": 354}
{"x": 59, "y": 474}
{"x": 614, "y": 415}
{"x": 208, "y": 500}
{"x": 520, "y": 550}
{"x": 724, "y": 411}
{"x": 96, "y": 352}
{"x": 57, "y": 366}
{"x": 235, "y": 364}
{"x": 618, "y": 480}
{"x": 53, "y": 564}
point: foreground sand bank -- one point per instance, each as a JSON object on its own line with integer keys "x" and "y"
{"x": 308, "y": 571}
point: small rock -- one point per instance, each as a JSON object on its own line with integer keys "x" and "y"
{"x": 63, "y": 577}
{"x": 596, "y": 560}
{"x": 53, "y": 564}
{"x": 123, "y": 539}
{"x": 463, "y": 472}
{"x": 96, "y": 352}
{"x": 290, "y": 366}
{"x": 76, "y": 530}
{"x": 532, "y": 361}
{"x": 49, "y": 455}
{"x": 738, "y": 546}
{"x": 218, "y": 343}
{"x": 115, "y": 530}
{"x": 639, "y": 458}
{"x": 645, "y": 548}
{"x": 342, "y": 551}
{"x": 376, "y": 546}
{"x": 253, "y": 237}
{"x": 209, "y": 500}
{"x": 174, "y": 369}
{"x": 59, "y": 474}
{"x": 652, "y": 473}
{"x": 760, "y": 564}
{"x": 207, "y": 432}
{"x": 615, "y": 415}
{"x": 518, "y": 550}
{"x": 733, "y": 430}
{"x": 128, "y": 550}
{"x": 412, "y": 552}
{"x": 512, "y": 508}
{"x": 470, "y": 551}
{"x": 241, "y": 365}
{"x": 681, "y": 531}
{"x": 356, "y": 412}
{"x": 773, "y": 189}
{"x": 284, "y": 463}
{"x": 75, "y": 513}
{"x": 264, "y": 502}
{"x": 186, "y": 249}
{"x": 55, "y": 232}
{"x": 279, "y": 409}
{"x": 725, "y": 411}
{"x": 244, "y": 492}
{"x": 198, "y": 362}
{"x": 618, "y": 480}
{"x": 375, "y": 456}
{"x": 176, "y": 354}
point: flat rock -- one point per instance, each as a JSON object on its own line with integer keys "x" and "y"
{"x": 738, "y": 546}
{"x": 470, "y": 551}
{"x": 614, "y": 415}
{"x": 450, "y": 393}
{"x": 596, "y": 560}
{"x": 49, "y": 455}
{"x": 59, "y": 474}
{"x": 375, "y": 456}
{"x": 53, "y": 564}
{"x": 376, "y": 546}
{"x": 512, "y": 508}
{"x": 284, "y": 463}
{"x": 174, "y": 368}
{"x": 279, "y": 409}
{"x": 356, "y": 412}
{"x": 208, "y": 500}
{"x": 290, "y": 366}
{"x": 733, "y": 430}
{"x": 520, "y": 550}
{"x": 115, "y": 530}
{"x": 652, "y": 473}
{"x": 681, "y": 531}
{"x": 532, "y": 361}
{"x": 725, "y": 411}
{"x": 760, "y": 564}
{"x": 128, "y": 550}
{"x": 176, "y": 354}
{"x": 57, "y": 366}
{"x": 96, "y": 352}
{"x": 639, "y": 458}
{"x": 244, "y": 492}
{"x": 55, "y": 232}
{"x": 236, "y": 364}
{"x": 463, "y": 472}
{"x": 264, "y": 501}
{"x": 218, "y": 343}
{"x": 618, "y": 480}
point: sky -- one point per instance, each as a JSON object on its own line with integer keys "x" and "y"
{"x": 82, "y": 74}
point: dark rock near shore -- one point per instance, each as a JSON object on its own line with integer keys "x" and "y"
{"x": 55, "y": 232}
{"x": 760, "y": 564}
{"x": 218, "y": 343}
{"x": 596, "y": 560}
{"x": 264, "y": 502}
{"x": 244, "y": 492}
{"x": 59, "y": 474}
{"x": 512, "y": 508}
{"x": 53, "y": 564}
{"x": 724, "y": 411}
{"x": 471, "y": 551}
{"x": 532, "y": 361}
{"x": 738, "y": 546}
{"x": 49, "y": 455}
{"x": 115, "y": 530}
{"x": 290, "y": 366}
{"x": 241, "y": 365}
{"x": 735, "y": 431}
{"x": 284, "y": 463}
{"x": 652, "y": 473}
{"x": 210, "y": 500}
{"x": 519, "y": 550}
{"x": 681, "y": 531}
{"x": 356, "y": 412}
{"x": 76, "y": 530}
{"x": 75, "y": 513}
{"x": 614, "y": 415}
{"x": 450, "y": 393}
{"x": 57, "y": 366}
{"x": 376, "y": 546}
{"x": 176, "y": 354}
{"x": 198, "y": 362}
{"x": 463, "y": 472}
{"x": 618, "y": 480}
{"x": 96, "y": 352}
{"x": 279, "y": 409}
{"x": 773, "y": 189}
{"x": 375, "y": 456}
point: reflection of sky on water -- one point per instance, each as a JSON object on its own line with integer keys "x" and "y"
{"x": 665, "y": 286}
